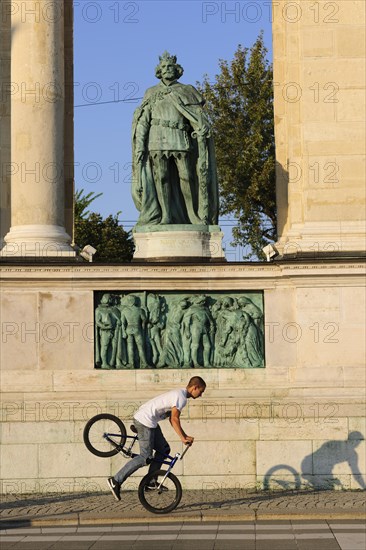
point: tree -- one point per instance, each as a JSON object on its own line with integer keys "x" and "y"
{"x": 240, "y": 106}
{"x": 112, "y": 242}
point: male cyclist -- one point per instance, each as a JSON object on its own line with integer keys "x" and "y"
{"x": 146, "y": 421}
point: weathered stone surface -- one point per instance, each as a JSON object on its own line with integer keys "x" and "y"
{"x": 19, "y": 461}
{"x": 319, "y": 62}
{"x": 271, "y": 454}
{"x": 295, "y": 426}
{"x": 238, "y": 458}
{"x": 64, "y": 318}
{"x": 69, "y": 460}
{"x": 20, "y": 330}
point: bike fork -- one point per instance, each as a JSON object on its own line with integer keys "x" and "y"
{"x": 177, "y": 457}
{"x": 168, "y": 470}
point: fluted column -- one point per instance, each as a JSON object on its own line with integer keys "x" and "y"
{"x": 37, "y": 132}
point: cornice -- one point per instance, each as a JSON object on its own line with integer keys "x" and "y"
{"x": 251, "y": 275}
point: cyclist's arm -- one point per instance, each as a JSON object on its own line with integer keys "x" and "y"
{"x": 175, "y": 422}
{"x": 353, "y": 464}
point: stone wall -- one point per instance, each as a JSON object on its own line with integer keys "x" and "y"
{"x": 249, "y": 423}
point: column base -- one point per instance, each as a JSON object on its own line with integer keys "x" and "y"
{"x": 323, "y": 238}
{"x": 38, "y": 241}
{"x": 178, "y": 242}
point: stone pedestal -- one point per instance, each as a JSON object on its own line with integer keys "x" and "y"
{"x": 37, "y": 136}
{"x": 300, "y": 414}
{"x": 178, "y": 243}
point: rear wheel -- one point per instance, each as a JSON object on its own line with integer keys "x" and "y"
{"x": 163, "y": 500}
{"x": 96, "y": 430}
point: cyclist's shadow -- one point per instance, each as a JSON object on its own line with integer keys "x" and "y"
{"x": 317, "y": 467}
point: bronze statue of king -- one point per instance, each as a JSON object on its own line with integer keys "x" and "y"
{"x": 174, "y": 167}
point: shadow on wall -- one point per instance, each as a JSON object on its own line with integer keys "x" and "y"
{"x": 317, "y": 468}
{"x": 282, "y": 191}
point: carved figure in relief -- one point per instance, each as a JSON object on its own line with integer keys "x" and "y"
{"x": 106, "y": 322}
{"x": 198, "y": 324}
{"x": 133, "y": 323}
{"x": 227, "y": 340}
{"x": 155, "y": 325}
{"x": 254, "y": 311}
{"x": 249, "y": 350}
{"x": 173, "y": 351}
{"x": 121, "y": 347}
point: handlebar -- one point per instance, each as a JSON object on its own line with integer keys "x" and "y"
{"x": 184, "y": 452}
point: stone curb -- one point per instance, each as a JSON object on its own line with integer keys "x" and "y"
{"x": 250, "y": 515}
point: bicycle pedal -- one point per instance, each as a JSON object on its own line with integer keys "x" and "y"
{"x": 155, "y": 487}
{"x": 127, "y": 454}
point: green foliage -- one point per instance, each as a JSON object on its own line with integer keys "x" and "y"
{"x": 240, "y": 106}
{"x": 112, "y": 242}
{"x": 82, "y": 202}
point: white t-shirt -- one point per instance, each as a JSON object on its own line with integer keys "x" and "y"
{"x": 150, "y": 413}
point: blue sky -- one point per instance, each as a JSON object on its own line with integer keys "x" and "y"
{"x": 116, "y": 48}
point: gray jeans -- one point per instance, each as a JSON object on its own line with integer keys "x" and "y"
{"x": 150, "y": 439}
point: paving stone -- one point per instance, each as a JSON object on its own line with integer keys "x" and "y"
{"x": 216, "y": 505}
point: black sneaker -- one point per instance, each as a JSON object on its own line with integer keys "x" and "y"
{"x": 153, "y": 485}
{"x": 115, "y": 487}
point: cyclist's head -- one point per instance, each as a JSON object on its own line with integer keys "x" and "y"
{"x": 355, "y": 438}
{"x": 196, "y": 381}
{"x": 196, "y": 386}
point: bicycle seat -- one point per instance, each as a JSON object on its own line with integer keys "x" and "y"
{"x": 133, "y": 429}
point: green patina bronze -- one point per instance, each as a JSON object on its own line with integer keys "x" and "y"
{"x": 178, "y": 330}
{"x": 174, "y": 167}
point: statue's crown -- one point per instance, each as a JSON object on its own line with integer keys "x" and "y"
{"x": 167, "y": 57}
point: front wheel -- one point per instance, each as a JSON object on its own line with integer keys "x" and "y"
{"x": 104, "y": 435}
{"x": 282, "y": 477}
{"x": 163, "y": 500}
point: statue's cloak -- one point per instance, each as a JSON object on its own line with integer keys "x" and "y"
{"x": 189, "y": 102}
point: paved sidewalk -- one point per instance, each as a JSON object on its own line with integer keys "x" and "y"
{"x": 215, "y": 505}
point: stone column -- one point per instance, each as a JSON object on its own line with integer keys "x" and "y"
{"x": 37, "y": 132}
{"x": 69, "y": 118}
{"x": 5, "y": 40}
{"x": 319, "y": 107}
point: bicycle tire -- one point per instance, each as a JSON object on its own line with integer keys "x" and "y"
{"x": 94, "y": 430}
{"x": 160, "y": 502}
{"x": 289, "y": 479}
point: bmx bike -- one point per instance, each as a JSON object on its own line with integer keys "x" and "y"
{"x": 159, "y": 492}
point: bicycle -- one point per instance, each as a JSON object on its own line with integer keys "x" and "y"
{"x": 160, "y": 492}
